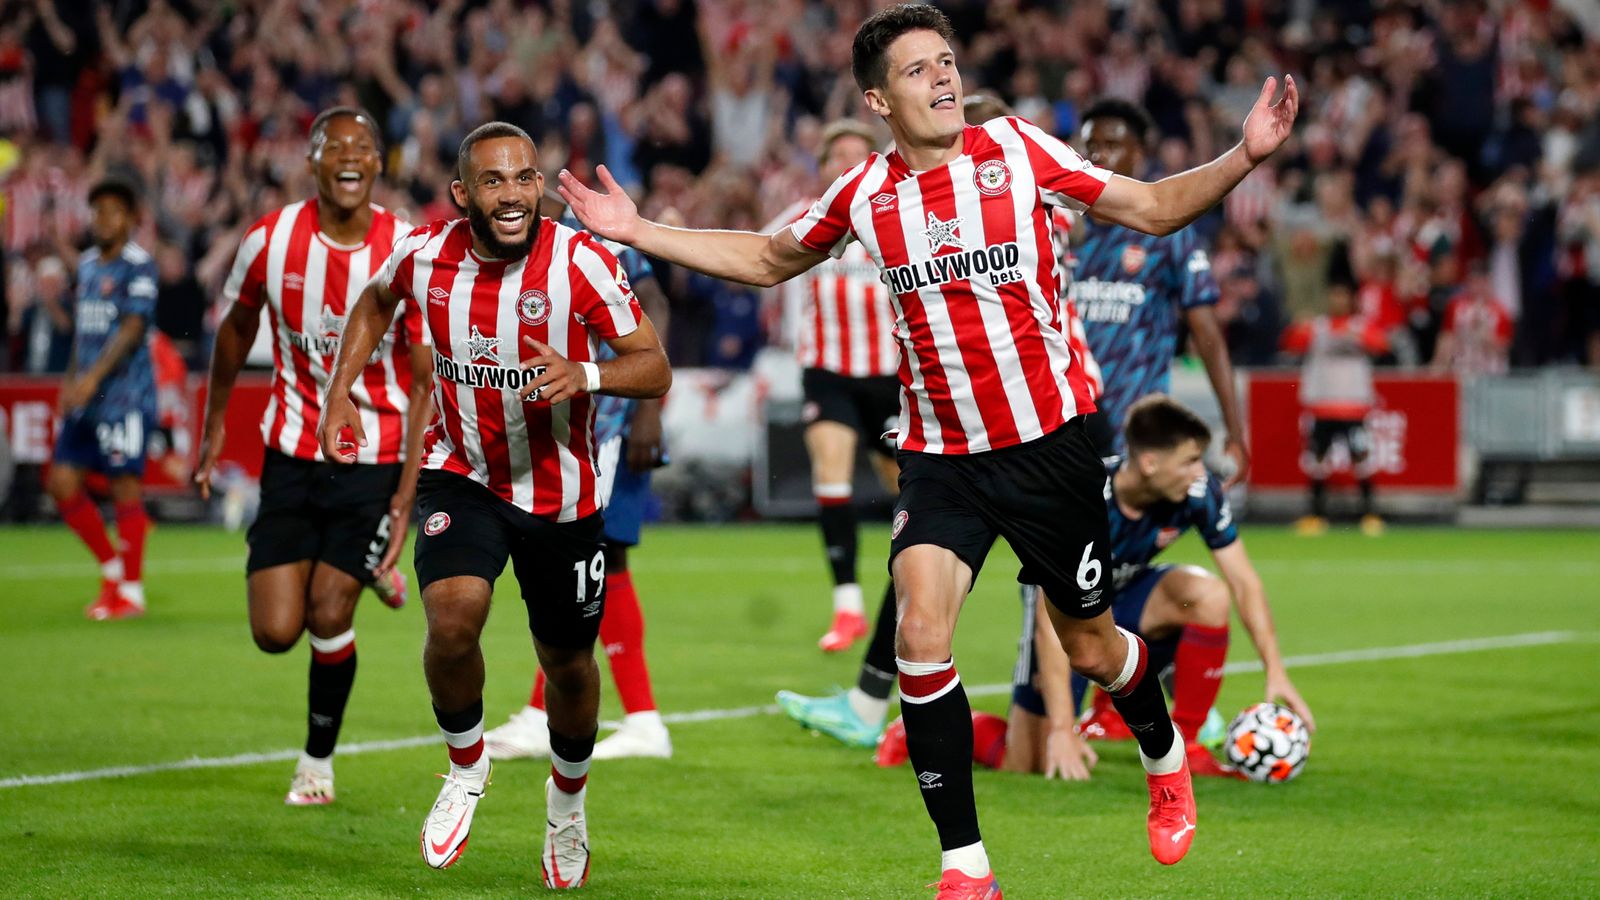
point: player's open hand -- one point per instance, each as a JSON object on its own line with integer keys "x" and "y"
{"x": 399, "y": 522}
{"x": 75, "y": 394}
{"x": 561, "y": 379}
{"x": 1281, "y": 690}
{"x": 210, "y": 451}
{"x": 338, "y": 416}
{"x": 1269, "y": 124}
{"x": 1236, "y": 450}
{"x": 611, "y": 214}
{"x": 1067, "y": 756}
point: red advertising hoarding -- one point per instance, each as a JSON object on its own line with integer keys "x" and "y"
{"x": 1415, "y": 430}
{"x": 29, "y": 422}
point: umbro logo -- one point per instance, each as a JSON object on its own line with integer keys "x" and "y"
{"x": 294, "y": 281}
{"x": 884, "y": 200}
{"x": 929, "y": 779}
{"x": 438, "y": 295}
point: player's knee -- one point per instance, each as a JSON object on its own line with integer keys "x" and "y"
{"x": 60, "y": 484}
{"x": 452, "y": 631}
{"x": 1092, "y": 654}
{"x": 921, "y": 637}
{"x": 569, "y": 672}
{"x": 274, "y": 639}
{"x": 330, "y": 614}
{"x": 1211, "y": 599}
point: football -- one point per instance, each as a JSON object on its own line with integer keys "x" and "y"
{"x": 1268, "y": 743}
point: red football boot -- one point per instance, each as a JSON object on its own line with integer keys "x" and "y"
{"x": 847, "y": 628}
{"x": 892, "y": 750}
{"x": 112, "y": 605}
{"x": 955, "y": 884}
{"x": 1203, "y": 764}
{"x": 1172, "y": 815}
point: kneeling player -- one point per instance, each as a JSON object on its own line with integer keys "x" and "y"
{"x": 324, "y": 531}
{"x": 1158, "y": 492}
{"x": 515, "y": 304}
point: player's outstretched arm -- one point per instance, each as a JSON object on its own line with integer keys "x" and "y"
{"x": 1173, "y": 202}
{"x": 1212, "y": 346}
{"x": 1250, "y": 599}
{"x": 640, "y": 369}
{"x": 363, "y": 330}
{"x": 762, "y": 260}
{"x": 235, "y": 334}
{"x": 1066, "y": 755}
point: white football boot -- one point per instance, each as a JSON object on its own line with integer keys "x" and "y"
{"x": 565, "y": 859}
{"x": 445, "y": 831}
{"x": 312, "y": 784}
{"x": 525, "y": 734}
{"x": 641, "y": 734}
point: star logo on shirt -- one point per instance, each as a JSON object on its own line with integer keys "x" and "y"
{"x": 943, "y": 234}
{"x": 480, "y": 347}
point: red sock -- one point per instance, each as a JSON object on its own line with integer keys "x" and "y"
{"x": 988, "y": 740}
{"x": 622, "y": 633}
{"x": 1197, "y": 676}
{"x": 132, "y": 524}
{"x": 536, "y": 699}
{"x": 81, "y": 515}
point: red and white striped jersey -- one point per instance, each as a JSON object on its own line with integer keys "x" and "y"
{"x": 1060, "y": 234}
{"x": 308, "y": 284}
{"x": 846, "y": 322}
{"x": 985, "y": 361}
{"x": 568, "y": 292}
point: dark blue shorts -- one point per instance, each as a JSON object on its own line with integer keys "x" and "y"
{"x": 623, "y": 493}
{"x": 1126, "y": 612}
{"x": 110, "y": 444}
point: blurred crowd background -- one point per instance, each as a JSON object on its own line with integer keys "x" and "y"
{"x": 1445, "y": 170}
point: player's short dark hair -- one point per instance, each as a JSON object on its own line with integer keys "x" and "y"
{"x": 980, "y": 108}
{"x": 1130, "y": 114}
{"x": 485, "y": 132}
{"x": 869, "y": 54}
{"x": 118, "y": 187}
{"x": 319, "y": 125}
{"x": 1158, "y": 422}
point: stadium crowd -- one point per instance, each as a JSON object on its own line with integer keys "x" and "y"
{"x": 1445, "y": 171}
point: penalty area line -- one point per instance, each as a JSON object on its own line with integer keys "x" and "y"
{"x": 1305, "y": 661}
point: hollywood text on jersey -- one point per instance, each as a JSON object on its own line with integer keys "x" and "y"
{"x": 484, "y": 375}
{"x": 997, "y": 261}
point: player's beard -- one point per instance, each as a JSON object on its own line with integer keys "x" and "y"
{"x": 482, "y": 224}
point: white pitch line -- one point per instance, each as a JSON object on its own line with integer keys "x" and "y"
{"x": 1440, "y": 648}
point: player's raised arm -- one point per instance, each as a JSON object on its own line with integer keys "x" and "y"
{"x": 1250, "y": 599}
{"x": 363, "y": 330}
{"x": 743, "y": 256}
{"x": 1167, "y": 205}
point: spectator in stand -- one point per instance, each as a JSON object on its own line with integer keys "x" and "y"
{"x": 1475, "y": 338}
{"x": 40, "y": 322}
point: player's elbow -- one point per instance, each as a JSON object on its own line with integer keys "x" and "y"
{"x": 660, "y": 380}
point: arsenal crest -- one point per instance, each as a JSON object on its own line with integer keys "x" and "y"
{"x": 992, "y": 177}
{"x": 533, "y": 308}
{"x": 1133, "y": 258}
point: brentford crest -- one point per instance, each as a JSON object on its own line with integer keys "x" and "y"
{"x": 992, "y": 177}
{"x": 533, "y": 308}
{"x": 436, "y": 523}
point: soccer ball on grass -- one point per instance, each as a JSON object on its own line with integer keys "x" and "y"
{"x": 1268, "y": 743}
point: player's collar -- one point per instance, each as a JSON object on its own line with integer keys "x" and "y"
{"x": 899, "y": 167}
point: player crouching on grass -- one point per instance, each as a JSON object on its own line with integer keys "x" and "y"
{"x": 324, "y": 530}
{"x": 514, "y": 305}
{"x": 1160, "y": 490}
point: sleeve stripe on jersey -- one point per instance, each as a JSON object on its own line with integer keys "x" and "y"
{"x": 1093, "y": 178}
{"x": 603, "y": 280}
{"x": 828, "y": 222}
{"x": 250, "y": 249}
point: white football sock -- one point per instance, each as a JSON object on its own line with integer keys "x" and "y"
{"x": 111, "y": 569}
{"x": 847, "y": 598}
{"x": 868, "y": 707}
{"x": 320, "y": 766}
{"x": 133, "y": 592}
{"x": 971, "y": 860}
{"x": 1170, "y": 763}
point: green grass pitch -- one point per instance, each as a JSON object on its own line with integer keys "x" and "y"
{"x": 1471, "y": 773}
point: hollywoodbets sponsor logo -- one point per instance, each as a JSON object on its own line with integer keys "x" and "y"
{"x": 998, "y": 262}
{"x": 482, "y": 375}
